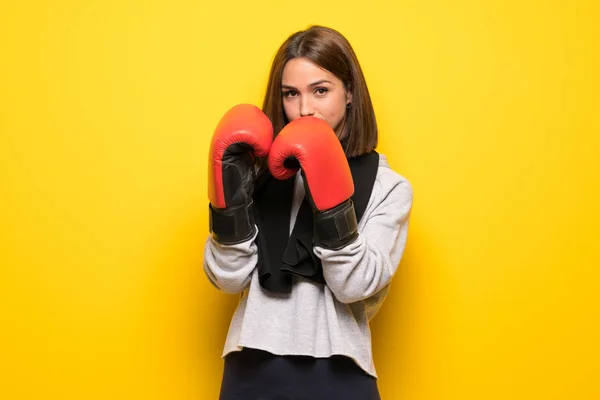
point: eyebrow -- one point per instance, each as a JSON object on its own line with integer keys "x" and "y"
{"x": 283, "y": 86}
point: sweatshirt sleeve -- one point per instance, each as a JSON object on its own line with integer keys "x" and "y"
{"x": 367, "y": 265}
{"x": 229, "y": 267}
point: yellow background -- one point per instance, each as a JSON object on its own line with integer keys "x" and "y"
{"x": 490, "y": 109}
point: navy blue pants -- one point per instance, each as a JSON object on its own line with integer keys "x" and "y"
{"x": 258, "y": 375}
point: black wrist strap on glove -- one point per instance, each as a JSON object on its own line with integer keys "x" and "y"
{"x": 335, "y": 228}
{"x": 231, "y": 225}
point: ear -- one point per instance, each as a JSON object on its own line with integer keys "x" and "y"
{"x": 348, "y": 97}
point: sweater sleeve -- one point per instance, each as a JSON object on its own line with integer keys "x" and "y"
{"x": 364, "y": 267}
{"x": 229, "y": 267}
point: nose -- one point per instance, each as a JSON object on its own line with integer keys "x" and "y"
{"x": 306, "y": 107}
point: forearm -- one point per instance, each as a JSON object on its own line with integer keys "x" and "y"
{"x": 229, "y": 267}
{"x": 359, "y": 270}
{"x": 365, "y": 266}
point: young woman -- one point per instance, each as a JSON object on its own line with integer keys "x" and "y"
{"x": 308, "y": 225}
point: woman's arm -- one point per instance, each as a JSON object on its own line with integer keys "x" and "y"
{"x": 367, "y": 265}
{"x": 229, "y": 267}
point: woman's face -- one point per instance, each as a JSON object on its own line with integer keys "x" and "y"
{"x": 308, "y": 89}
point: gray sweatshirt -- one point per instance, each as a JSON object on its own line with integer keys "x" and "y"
{"x": 319, "y": 320}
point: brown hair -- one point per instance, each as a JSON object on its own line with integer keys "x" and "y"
{"x": 330, "y": 50}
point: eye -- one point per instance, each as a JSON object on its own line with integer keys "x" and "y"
{"x": 321, "y": 91}
{"x": 290, "y": 93}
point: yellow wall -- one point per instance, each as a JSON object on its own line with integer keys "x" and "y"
{"x": 489, "y": 108}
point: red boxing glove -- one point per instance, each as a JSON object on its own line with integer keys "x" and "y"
{"x": 310, "y": 144}
{"x": 243, "y": 133}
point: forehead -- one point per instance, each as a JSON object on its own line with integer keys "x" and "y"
{"x": 302, "y": 71}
